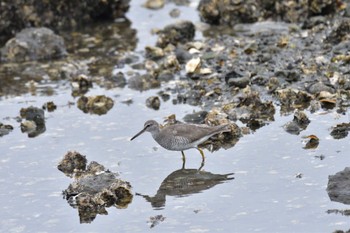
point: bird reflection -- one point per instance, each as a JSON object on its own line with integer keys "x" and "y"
{"x": 184, "y": 182}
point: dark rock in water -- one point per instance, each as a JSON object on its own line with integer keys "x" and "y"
{"x": 61, "y": 14}
{"x": 153, "y": 102}
{"x": 72, "y": 162}
{"x": 340, "y": 130}
{"x": 5, "y": 129}
{"x": 94, "y": 189}
{"x": 180, "y": 32}
{"x": 237, "y": 79}
{"x": 338, "y": 187}
{"x": 99, "y": 104}
{"x": 33, "y": 44}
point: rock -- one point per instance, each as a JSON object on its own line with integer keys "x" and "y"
{"x": 94, "y": 189}
{"x": 196, "y": 117}
{"x": 50, "y": 106}
{"x": 340, "y": 130}
{"x": 299, "y": 123}
{"x": 250, "y": 11}
{"x": 72, "y": 162}
{"x": 339, "y": 33}
{"x": 237, "y": 79}
{"x": 57, "y": 15}
{"x": 180, "y": 32}
{"x": 99, "y": 104}
{"x": 33, "y": 44}
{"x": 338, "y": 187}
{"x": 33, "y": 114}
{"x": 143, "y": 82}
{"x": 80, "y": 84}
{"x": 312, "y": 142}
{"x": 34, "y": 123}
{"x": 5, "y": 129}
{"x": 153, "y": 102}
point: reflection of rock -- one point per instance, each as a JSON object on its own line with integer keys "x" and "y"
{"x": 94, "y": 187}
{"x": 338, "y": 187}
{"x": 35, "y": 121}
{"x": 5, "y": 129}
{"x": 185, "y": 182}
{"x": 99, "y": 104}
{"x": 33, "y": 44}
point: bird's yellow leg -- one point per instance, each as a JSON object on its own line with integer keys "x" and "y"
{"x": 203, "y": 158}
{"x": 202, "y": 153}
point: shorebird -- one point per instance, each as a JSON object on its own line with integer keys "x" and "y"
{"x": 180, "y": 137}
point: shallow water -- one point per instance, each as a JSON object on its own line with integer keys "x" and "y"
{"x": 264, "y": 196}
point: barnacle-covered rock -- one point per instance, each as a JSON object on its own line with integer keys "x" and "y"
{"x": 94, "y": 188}
{"x": 340, "y": 130}
{"x": 180, "y": 32}
{"x": 153, "y": 102}
{"x": 99, "y": 104}
{"x": 72, "y": 162}
{"x": 34, "y": 123}
{"x": 57, "y": 15}
{"x": 143, "y": 82}
{"x": 33, "y": 44}
{"x": 81, "y": 84}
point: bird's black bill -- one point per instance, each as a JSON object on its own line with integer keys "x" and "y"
{"x": 138, "y": 134}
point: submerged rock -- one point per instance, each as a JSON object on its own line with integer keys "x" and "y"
{"x": 33, "y": 44}
{"x": 99, "y": 104}
{"x": 94, "y": 188}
